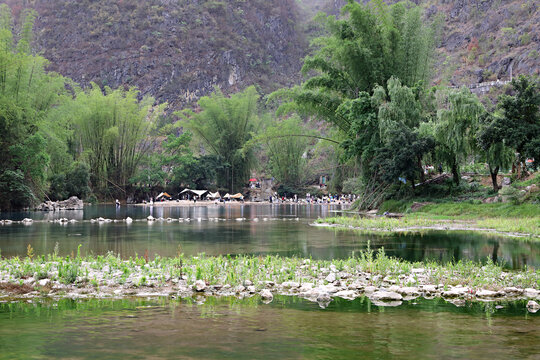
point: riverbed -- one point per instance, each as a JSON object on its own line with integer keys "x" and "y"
{"x": 231, "y": 327}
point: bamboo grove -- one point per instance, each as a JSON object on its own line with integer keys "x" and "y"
{"x": 365, "y": 109}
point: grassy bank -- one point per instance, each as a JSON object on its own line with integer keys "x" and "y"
{"x": 523, "y": 219}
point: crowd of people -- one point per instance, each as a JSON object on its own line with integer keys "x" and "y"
{"x": 311, "y": 199}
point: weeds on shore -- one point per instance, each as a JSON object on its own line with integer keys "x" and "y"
{"x": 236, "y": 270}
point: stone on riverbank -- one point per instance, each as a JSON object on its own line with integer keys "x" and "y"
{"x": 73, "y": 203}
{"x": 383, "y": 295}
{"x": 199, "y": 285}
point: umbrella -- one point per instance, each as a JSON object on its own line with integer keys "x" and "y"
{"x": 252, "y": 179}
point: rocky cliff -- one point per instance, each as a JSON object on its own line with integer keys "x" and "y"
{"x": 175, "y": 50}
{"x": 178, "y": 50}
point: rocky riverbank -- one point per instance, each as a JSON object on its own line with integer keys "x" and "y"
{"x": 73, "y": 203}
{"x": 385, "y": 281}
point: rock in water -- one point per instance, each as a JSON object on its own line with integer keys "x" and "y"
{"x": 266, "y": 295}
{"x": 199, "y": 285}
{"x": 150, "y": 218}
{"x": 532, "y": 306}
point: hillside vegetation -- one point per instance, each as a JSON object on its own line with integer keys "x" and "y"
{"x": 177, "y": 51}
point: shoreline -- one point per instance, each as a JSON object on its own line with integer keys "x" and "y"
{"x": 173, "y": 203}
{"x": 385, "y": 281}
{"x": 436, "y": 227}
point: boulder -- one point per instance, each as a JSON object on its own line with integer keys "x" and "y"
{"x": 331, "y": 277}
{"x": 487, "y": 294}
{"x": 383, "y": 295}
{"x": 199, "y": 286}
{"x": 346, "y": 294}
{"x": 266, "y": 295}
{"x": 532, "y": 306}
{"x": 73, "y": 203}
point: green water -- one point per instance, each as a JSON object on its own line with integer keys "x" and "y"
{"x": 290, "y": 328}
{"x": 280, "y": 234}
{"x": 229, "y": 328}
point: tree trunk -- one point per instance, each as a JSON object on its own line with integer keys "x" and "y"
{"x": 455, "y": 173}
{"x": 494, "y": 173}
{"x": 422, "y": 175}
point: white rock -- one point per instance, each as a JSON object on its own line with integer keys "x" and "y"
{"x": 346, "y": 294}
{"x": 382, "y": 295}
{"x": 331, "y": 277}
{"x": 251, "y": 289}
{"x": 44, "y": 282}
{"x": 409, "y": 291}
{"x": 306, "y": 287}
{"x": 290, "y": 285}
{"x": 200, "y": 285}
{"x": 429, "y": 289}
{"x": 531, "y": 293}
{"x": 266, "y": 295}
{"x": 129, "y": 220}
{"x": 513, "y": 290}
{"x": 323, "y": 297}
{"x": 532, "y": 306}
{"x": 150, "y": 218}
{"x": 486, "y": 293}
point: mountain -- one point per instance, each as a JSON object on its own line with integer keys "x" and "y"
{"x": 179, "y": 50}
{"x": 175, "y": 50}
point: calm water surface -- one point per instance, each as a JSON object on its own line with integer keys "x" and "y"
{"x": 286, "y": 231}
{"x": 288, "y": 328}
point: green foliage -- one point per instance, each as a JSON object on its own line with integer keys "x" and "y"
{"x": 74, "y": 182}
{"x": 455, "y": 127}
{"x": 112, "y": 130}
{"x": 27, "y": 95}
{"x": 225, "y": 125}
{"x": 286, "y": 143}
{"x": 519, "y": 124}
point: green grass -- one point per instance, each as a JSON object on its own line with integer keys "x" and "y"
{"x": 527, "y": 226}
{"x": 470, "y": 211}
{"x": 235, "y": 270}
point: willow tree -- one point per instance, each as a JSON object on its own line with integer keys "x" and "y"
{"x": 494, "y": 149}
{"x": 455, "y": 127}
{"x": 27, "y": 94}
{"x": 111, "y": 133}
{"x": 225, "y": 125}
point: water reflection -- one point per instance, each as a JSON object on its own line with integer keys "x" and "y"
{"x": 281, "y": 233}
{"x": 287, "y": 328}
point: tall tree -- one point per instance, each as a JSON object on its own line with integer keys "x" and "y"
{"x": 112, "y": 129}
{"x": 286, "y": 143}
{"x": 495, "y": 152}
{"x": 519, "y": 123}
{"x": 455, "y": 127}
{"x": 225, "y": 125}
{"x": 27, "y": 95}
{"x": 368, "y": 46}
